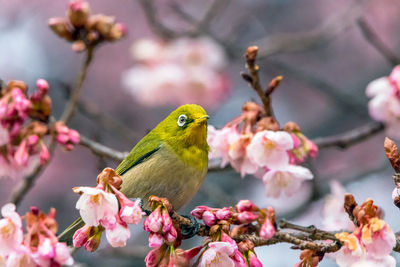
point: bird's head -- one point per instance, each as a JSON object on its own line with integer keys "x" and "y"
{"x": 186, "y": 126}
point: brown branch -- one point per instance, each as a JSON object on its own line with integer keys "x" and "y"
{"x": 372, "y": 37}
{"x": 254, "y": 81}
{"x": 28, "y": 182}
{"x": 351, "y": 137}
{"x": 301, "y": 41}
{"x": 102, "y": 150}
{"x": 73, "y": 101}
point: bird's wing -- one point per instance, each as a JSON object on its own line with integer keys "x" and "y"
{"x": 140, "y": 153}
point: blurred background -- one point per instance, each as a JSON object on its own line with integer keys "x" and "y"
{"x": 318, "y": 46}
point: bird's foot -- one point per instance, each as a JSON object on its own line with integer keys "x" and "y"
{"x": 191, "y": 230}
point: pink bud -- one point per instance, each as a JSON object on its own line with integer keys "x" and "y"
{"x": 42, "y": 86}
{"x": 74, "y": 136}
{"x": 32, "y": 140}
{"x": 44, "y": 155}
{"x": 155, "y": 240}
{"x": 154, "y": 221}
{"x": 81, "y": 236}
{"x": 253, "y": 260}
{"x": 224, "y": 214}
{"x": 267, "y": 230}
{"x": 154, "y": 257}
{"x": 171, "y": 235}
{"x": 245, "y": 205}
{"x": 247, "y": 217}
{"x": 21, "y": 155}
{"x": 167, "y": 222}
{"x": 296, "y": 141}
{"x": 209, "y": 218}
{"x": 198, "y": 211}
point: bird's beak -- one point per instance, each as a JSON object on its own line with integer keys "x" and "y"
{"x": 203, "y": 118}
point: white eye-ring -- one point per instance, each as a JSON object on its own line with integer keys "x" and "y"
{"x": 182, "y": 120}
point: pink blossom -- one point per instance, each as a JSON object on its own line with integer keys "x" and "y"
{"x": 20, "y": 257}
{"x": 11, "y": 234}
{"x": 95, "y": 204}
{"x": 179, "y": 71}
{"x": 118, "y": 234}
{"x": 384, "y": 105}
{"x": 269, "y": 149}
{"x": 4, "y": 136}
{"x": 44, "y": 155}
{"x": 63, "y": 257}
{"x": 267, "y": 230}
{"x": 219, "y": 142}
{"x": 217, "y": 254}
{"x": 287, "y": 179}
{"x": 130, "y": 211}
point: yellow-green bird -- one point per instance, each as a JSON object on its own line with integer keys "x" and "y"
{"x": 170, "y": 161}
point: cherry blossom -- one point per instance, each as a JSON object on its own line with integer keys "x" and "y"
{"x": 384, "y": 105}
{"x": 218, "y": 254}
{"x": 178, "y": 71}
{"x": 11, "y": 234}
{"x": 96, "y": 205}
{"x": 286, "y": 179}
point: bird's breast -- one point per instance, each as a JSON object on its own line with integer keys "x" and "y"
{"x": 164, "y": 174}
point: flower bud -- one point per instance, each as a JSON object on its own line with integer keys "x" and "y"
{"x": 154, "y": 257}
{"x": 267, "y": 230}
{"x": 78, "y": 46}
{"x": 166, "y": 221}
{"x": 78, "y": 12}
{"x": 171, "y": 235}
{"x": 93, "y": 242}
{"x": 246, "y": 217}
{"x": 155, "y": 240}
{"x": 153, "y": 223}
{"x": 81, "y": 236}
{"x": 61, "y": 28}
{"x": 245, "y": 205}
{"x": 253, "y": 260}
{"x": 44, "y": 155}
{"x": 224, "y": 214}
{"x": 117, "y": 32}
{"x": 43, "y": 86}
{"x": 198, "y": 211}
{"x": 209, "y": 218}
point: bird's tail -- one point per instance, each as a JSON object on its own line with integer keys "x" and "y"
{"x": 67, "y": 234}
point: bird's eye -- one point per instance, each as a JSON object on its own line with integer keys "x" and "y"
{"x": 182, "y": 120}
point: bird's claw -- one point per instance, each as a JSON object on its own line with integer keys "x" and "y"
{"x": 191, "y": 230}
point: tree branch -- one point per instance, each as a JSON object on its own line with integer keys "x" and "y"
{"x": 73, "y": 100}
{"x": 351, "y": 137}
{"x": 296, "y": 42}
{"x": 372, "y": 37}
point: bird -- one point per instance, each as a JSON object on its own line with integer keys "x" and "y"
{"x": 171, "y": 161}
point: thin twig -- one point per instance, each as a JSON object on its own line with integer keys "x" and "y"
{"x": 76, "y": 92}
{"x": 351, "y": 137}
{"x": 28, "y": 182}
{"x": 302, "y": 41}
{"x": 102, "y": 150}
{"x": 372, "y": 37}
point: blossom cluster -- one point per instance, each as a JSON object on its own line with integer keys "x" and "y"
{"x": 219, "y": 247}
{"x": 23, "y": 127}
{"x": 371, "y": 242}
{"x": 38, "y": 246}
{"x": 384, "y": 105}
{"x": 180, "y": 71}
{"x": 99, "y": 209}
{"x": 254, "y": 144}
{"x": 165, "y": 237}
{"x": 85, "y": 30}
